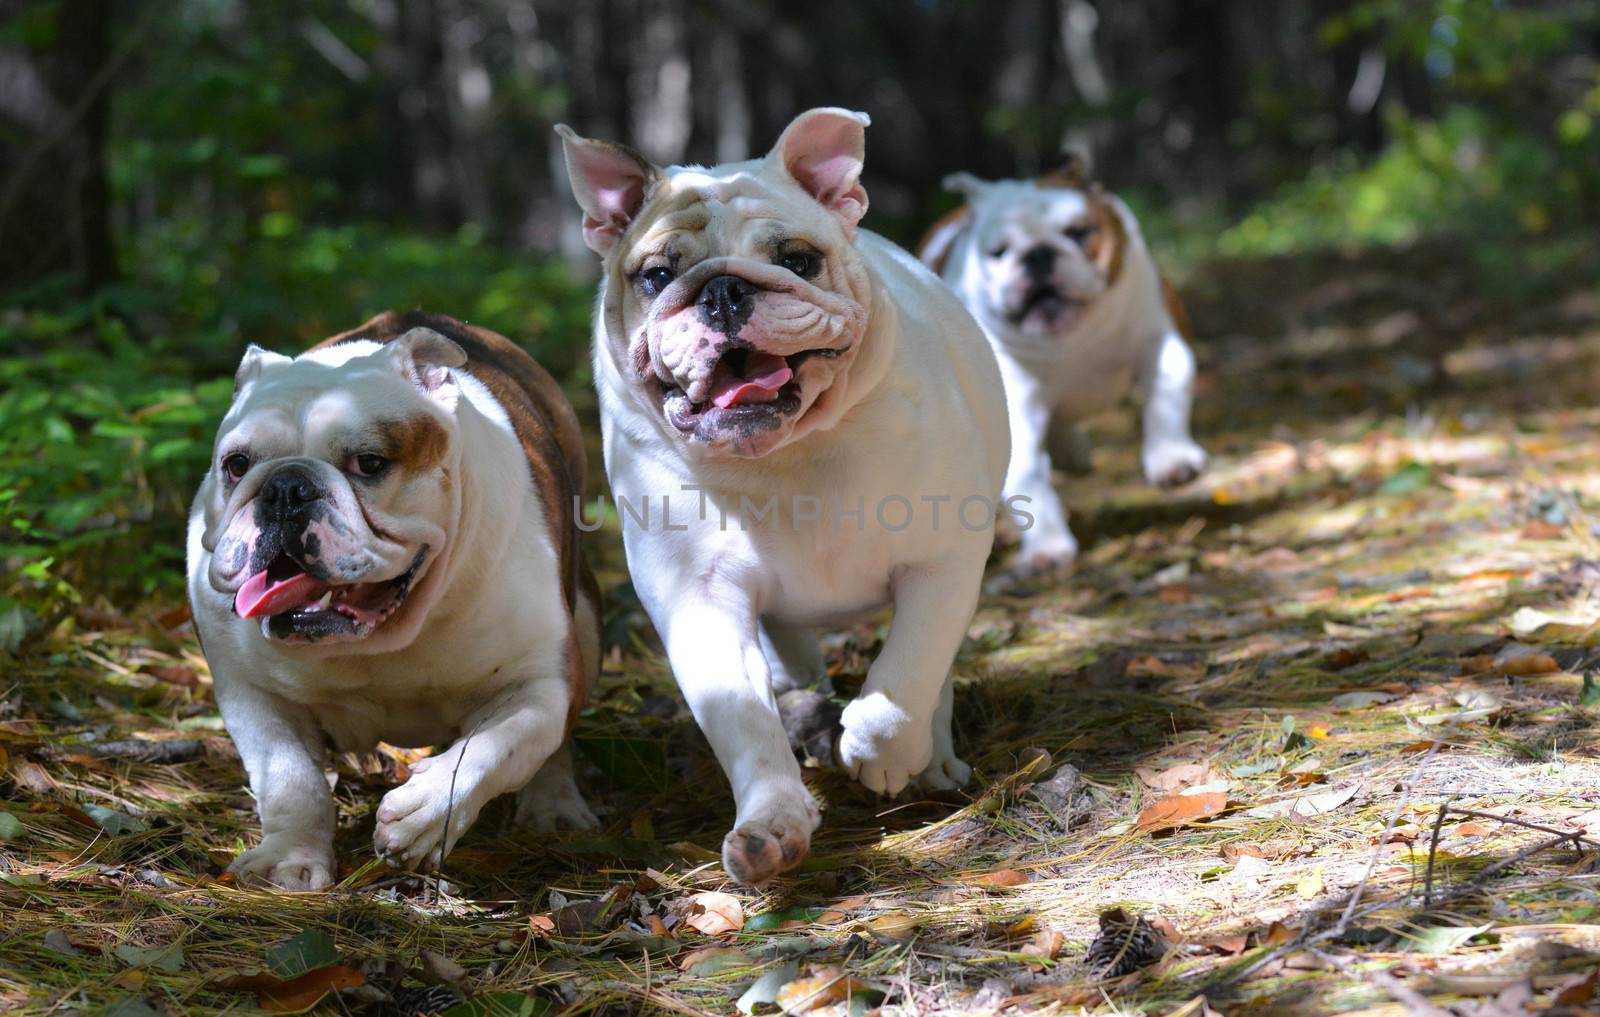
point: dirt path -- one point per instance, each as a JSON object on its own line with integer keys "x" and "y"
{"x": 1252, "y": 701}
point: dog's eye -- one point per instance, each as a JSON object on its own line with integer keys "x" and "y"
{"x": 999, "y": 251}
{"x": 236, "y": 465}
{"x": 1079, "y": 234}
{"x": 654, "y": 280}
{"x": 368, "y": 464}
{"x": 802, "y": 263}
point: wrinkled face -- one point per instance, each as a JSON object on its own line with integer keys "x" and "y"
{"x": 1041, "y": 255}
{"x": 329, "y": 497}
{"x": 738, "y": 304}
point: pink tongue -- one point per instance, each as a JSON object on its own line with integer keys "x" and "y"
{"x": 765, "y": 374}
{"x": 262, "y": 596}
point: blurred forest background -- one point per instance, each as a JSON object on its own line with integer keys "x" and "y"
{"x": 179, "y": 178}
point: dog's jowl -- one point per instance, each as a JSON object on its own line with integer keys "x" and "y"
{"x": 383, "y": 549}
{"x": 807, "y": 427}
{"x": 1058, "y": 274}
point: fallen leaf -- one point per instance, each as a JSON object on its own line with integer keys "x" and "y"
{"x": 306, "y": 991}
{"x": 1361, "y": 700}
{"x": 541, "y": 925}
{"x": 768, "y": 920}
{"x": 1179, "y": 810}
{"x": 1046, "y": 945}
{"x": 713, "y": 960}
{"x": 822, "y": 986}
{"x": 895, "y": 924}
{"x": 114, "y": 822}
{"x": 1226, "y": 946}
{"x": 1441, "y": 938}
{"x": 764, "y": 991}
{"x": 161, "y": 958}
{"x": 442, "y": 970}
{"x": 1307, "y": 806}
{"x": 1004, "y": 877}
{"x": 1277, "y": 934}
{"x": 1470, "y": 829}
{"x": 717, "y": 913}
{"x": 1519, "y": 661}
{"x": 173, "y": 674}
{"x": 11, "y": 828}
{"x": 301, "y": 954}
{"x": 1178, "y": 777}
{"x": 1309, "y": 884}
{"x": 33, "y": 777}
{"x": 1578, "y": 991}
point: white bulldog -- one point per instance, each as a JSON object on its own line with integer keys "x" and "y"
{"x": 1058, "y": 275}
{"x": 809, "y": 411}
{"x": 384, "y": 548}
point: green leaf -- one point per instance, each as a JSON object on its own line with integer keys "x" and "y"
{"x": 772, "y": 919}
{"x": 11, "y": 828}
{"x": 1408, "y": 479}
{"x": 500, "y": 1004}
{"x": 306, "y": 952}
{"x": 113, "y": 822}
{"x": 1442, "y": 938}
{"x": 160, "y": 958}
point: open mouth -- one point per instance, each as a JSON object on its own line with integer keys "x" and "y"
{"x": 749, "y": 389}
{"x": 1047, "y": 304}
{"x": 292, "y": 603}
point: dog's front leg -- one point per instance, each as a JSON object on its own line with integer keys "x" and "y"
{"x": 1171, "y": 457}
{"x": 714, "y": 645}
{"x": 889, "y": 736}
{"x": 283, "y": 749}
{"x": 1047, "y": 542}
{"x": 500, "y": 749}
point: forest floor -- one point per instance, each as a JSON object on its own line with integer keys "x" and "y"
{"x": 1321, "y": 722}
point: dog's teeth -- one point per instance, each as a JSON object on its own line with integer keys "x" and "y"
{"x": 322, "y": 603}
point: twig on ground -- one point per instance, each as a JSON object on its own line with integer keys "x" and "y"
{"x": 1433, "y": 850}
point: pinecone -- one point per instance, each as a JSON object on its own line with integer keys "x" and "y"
{"x": 1126, "y": 943}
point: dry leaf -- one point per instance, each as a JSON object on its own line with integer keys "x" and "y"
{"x": 33, "y": 777}
{"x": 714, "y": 913}
{"x": 541, "y": 925}
{"x": 1278, "y": 933}
{"x": 1005, "y": 877}
{"x": 1577, "y": 992}
{"x": 306, "y": 991}
{"x": 1226, "y": 946}
{"x": 1310, "y": 884}
{"x": 1178, "y": 777}
{"x": 896, "y": 924}
{"x": 1307, "y": 806}
{"x": 1522, "y": 661}
{"x": 1180, "y": 809}
{"x": 819, "y": 988}
{"x": 1046, "y": 945}
{"x": 713, "y": 960}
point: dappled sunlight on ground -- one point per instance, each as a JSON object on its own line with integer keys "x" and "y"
{"x": 1239, "y": 719}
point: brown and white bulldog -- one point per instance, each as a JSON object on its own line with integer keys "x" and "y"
{"x": 1059, "y": 276}
{"x": 384, "y": 549}
{"x": 815, "y": 430}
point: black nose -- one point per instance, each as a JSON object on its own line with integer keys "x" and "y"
{"x": 726, "y": 303}
{"x": 289, "y": 489}
{"x": 1039, "y": 261}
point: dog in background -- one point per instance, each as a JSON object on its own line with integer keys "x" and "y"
{"x": 1059, "y": 276}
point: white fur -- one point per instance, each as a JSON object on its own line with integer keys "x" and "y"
{"x": 486, "y": 669}
{"x": 1124, "y": 342}
{"x": 925, "y": 418}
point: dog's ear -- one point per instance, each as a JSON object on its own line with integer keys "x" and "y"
{"x": 255, "y": 359}
{"x": 611, "y": 182}
{"x": 425, "y": 358}
{"x": 823, "y": 150}
{"x": 1075, "y": 171}
{"x": 964, "y": 184}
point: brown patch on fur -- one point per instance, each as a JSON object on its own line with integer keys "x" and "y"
{"x": 1072, "y": 174}
{"x": 934, "y": 250}
{"x": 1105, "y": 247}
{"x": 1175, "y": 309}
{"x": 417, "y": 444}
{"x": 545, "y": 426}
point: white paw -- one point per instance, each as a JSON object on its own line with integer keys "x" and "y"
{"x": 1173, "y": 463}
{"x": 286, "y": 862}
{"x": 411, "y": 818}
{"x": 772, "y": 836}
{"x": 548, "y": 802}
{"x": 946, "y": 773}
{"x": 883, "y": 746}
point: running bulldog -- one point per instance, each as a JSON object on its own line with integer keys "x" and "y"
{"x": 1058, "y": 275}
{"x": 821, "y": 430}
{"x": 384, "y": 549}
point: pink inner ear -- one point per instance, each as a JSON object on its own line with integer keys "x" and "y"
{"x": 615, "y": 185}
{"x": 824, "y": 158}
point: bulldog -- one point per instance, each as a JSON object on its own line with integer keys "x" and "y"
{"x": 810, "y": 412}
{"x": 384, "y": 549}
{"x": 1058, "y": 275}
